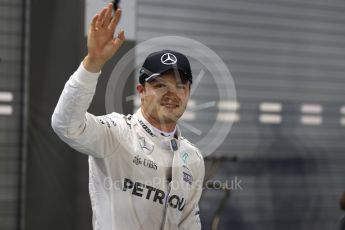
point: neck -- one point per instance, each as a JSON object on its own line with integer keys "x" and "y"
{"x": 165, "y": 127}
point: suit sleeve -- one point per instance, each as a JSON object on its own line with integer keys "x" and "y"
{"x": 81, "y": 130}
{"x": 191, "y": 220}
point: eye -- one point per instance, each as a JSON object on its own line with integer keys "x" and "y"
{"x": 159, "y": 86}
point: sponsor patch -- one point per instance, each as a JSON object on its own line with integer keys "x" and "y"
{"x": 187, "y": 178}
{"x": 108, "y": 121}
{"x": 147, "y": 129}
{"x": 153, "y": 194}
{"x": 184, "y": 157}
{"x": 145, "y": 162}
{"x": 146, "y": 147}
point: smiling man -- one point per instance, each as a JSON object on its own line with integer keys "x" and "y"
{"x": 165, "y": 81}
{"x": 142, "y": 173}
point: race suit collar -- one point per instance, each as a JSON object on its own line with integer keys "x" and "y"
{"x": 171, "y": 142}
{"x": 153, "y": 131}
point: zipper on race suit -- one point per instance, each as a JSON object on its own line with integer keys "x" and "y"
{"x": 173, "y": 148}
{"x": 166, "y": 207}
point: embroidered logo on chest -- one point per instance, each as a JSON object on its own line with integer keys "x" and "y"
{"x": 137, "y": 160}
{"x": 145, "y": 146}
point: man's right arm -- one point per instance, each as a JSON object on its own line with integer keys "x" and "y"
{"x": 74, "y": 125}
{"x": 71, "y": 121}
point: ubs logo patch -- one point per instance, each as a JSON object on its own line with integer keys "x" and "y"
{"x": 137, "y": 160}
{"x": 145, "y": 162}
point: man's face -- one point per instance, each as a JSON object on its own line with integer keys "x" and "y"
{"x": 164, "y": 99}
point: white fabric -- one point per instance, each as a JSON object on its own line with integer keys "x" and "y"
{"x": 166, "y": 156}
{"x": 128, "y": 180}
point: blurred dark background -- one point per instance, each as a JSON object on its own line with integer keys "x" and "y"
{"x": 287, "y": 60}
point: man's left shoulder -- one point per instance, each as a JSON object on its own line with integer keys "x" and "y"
{"x": 195, "y": 150}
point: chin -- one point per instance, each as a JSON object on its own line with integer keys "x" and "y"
{"x": 170, "y": 116}
{"x": 174, "y": 116}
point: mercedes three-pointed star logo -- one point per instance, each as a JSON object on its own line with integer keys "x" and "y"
{"x": 168, "y": 59}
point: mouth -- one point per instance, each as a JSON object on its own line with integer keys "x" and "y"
{"x": 170, "y": 105}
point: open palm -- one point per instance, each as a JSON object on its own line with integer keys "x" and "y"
{"x": 101, "y": 43}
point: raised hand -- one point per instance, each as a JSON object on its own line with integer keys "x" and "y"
{"x": 101, "y": 43}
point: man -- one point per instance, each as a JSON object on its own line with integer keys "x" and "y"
{"x": 142, "y": 173}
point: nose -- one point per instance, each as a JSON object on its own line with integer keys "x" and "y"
{"x": 172, "y": 88}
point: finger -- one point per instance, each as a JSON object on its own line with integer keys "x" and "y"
{"x": 117, "y": 42}
{"x": 93, "y": 22}
{"x": 101, "y": 17}
{"x": 108, "y": 14}
{"x": 121, "y": 35}
{"x": 115, "y": 20}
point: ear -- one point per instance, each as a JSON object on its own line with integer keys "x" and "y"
{"x": 140, "y": 88}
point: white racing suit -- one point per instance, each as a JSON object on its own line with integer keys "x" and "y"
{"x": 131, "y": 184}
